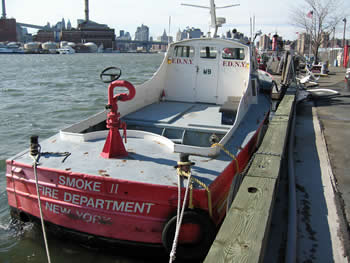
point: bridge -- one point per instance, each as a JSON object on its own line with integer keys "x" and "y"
{"x": 31, "y": 26}
{"x": 139, "y": 43}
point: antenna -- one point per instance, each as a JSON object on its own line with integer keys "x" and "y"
{"x": 214, "y": 22}
{"x": 169, "y": 30}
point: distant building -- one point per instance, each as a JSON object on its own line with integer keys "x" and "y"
{"x": 324, "y": 40}
{"x": 265, "y": 42}
{"x": 100, "y": 34}
{"x": 90, "y": 31}
{"x": 142, "y": 33}
{"x": 277, "y": 43}
{"x": 69, "y": 25}
{"x": 164, "y": 37}
{"x": 45, "y": 36}
{"x": 303, "y": 44}
{"x": 181, "y": 35}
{"x": 189, "y": 33}
{"x": 194, "y": 33}
{"x": 124, "y": 35}
{"x": 8, "y": 31}
{"x": 123, "y": 46}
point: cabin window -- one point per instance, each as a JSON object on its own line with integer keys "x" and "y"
{"x": 208, "y": 52}
{"x": 184, "y": 51}
{"x": 233, "y": 53}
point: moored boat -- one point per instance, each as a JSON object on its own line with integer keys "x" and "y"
{"x": 66, "y": 50}
{"x": 117, "y": 175}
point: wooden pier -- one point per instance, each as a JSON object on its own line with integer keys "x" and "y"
{"x": 244, "y": 233}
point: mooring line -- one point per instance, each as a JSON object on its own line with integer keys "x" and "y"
{"x": 35, "y": 163}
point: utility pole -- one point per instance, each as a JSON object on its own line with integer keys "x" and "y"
{"x": 344, "y": 20}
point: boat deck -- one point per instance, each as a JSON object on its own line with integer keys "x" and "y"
{"x": 179, "y": 115}
{"x": 147, "y": 151}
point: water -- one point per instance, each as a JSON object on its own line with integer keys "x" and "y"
{"x": 40, "y": 94}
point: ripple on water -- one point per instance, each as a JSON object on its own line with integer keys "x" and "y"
{"x": 41, "y": 94}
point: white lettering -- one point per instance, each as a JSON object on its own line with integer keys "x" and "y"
{"x": 83, "y": 200}
{"x": 67, "y": 197}
{"x": 149, "y": 207}
{"x": 80, "y": 214}
{"x": 49, "y": 192}
{"x": 91, "y": 218}
{"x": 61, "y": 179}
{"x": 87, "y": 217}
{"x": 139, "y": 207}
{"x": 108, "y": 203}
{"x": 57, "y": 209}
{"x": 99, "y": 203}
{"x": 81, "y": 184}
{"x": 117, "y": 207}
{"x": 114, "y": 189}
{"x": 75, "y": 199}
{"x": 129, "y": 207}
{"x": 90, "y": 203}
{"x": 120, "y": 206}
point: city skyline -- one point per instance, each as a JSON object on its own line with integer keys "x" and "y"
{"x": 129, "y": 15}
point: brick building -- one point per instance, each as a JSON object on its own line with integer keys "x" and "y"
{"x": 86, "y": 32}
{"x": 8, "y": 30}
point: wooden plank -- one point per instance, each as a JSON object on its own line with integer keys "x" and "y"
{"x": 275, "y": 138}
{"x": 265, "y": 166}
{"x": 243, "y": 234}
{"x": 286, "y": 104}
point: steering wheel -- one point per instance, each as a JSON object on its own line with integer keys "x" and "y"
{"x": 110, "y": 74}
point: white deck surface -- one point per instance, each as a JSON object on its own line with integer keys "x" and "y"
{"x": 150, "y": 161}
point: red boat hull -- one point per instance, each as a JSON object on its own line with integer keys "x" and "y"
{"x": 108, "y": 207}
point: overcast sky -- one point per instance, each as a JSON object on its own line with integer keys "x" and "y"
{"x": 270, "y": 15}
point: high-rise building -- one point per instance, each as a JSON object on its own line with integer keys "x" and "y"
{"x": 189, "y": 33}
{"x": 164, "y": 37}
{"x": 69, "y": 25}
{"x": 264, "y": 43}
{"x": 303, "y": 44}
{"x": 142, "y": 33}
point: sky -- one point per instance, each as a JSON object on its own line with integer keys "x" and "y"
{"x": 271, "y": 16}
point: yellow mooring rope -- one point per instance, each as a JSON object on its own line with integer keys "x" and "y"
{"x": 193, "y": 179}
{"x": 228, "y": 153}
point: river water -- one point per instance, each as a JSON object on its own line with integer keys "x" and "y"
{"x": 40, "y": 94}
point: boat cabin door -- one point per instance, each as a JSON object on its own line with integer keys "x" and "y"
{"x": 207, "y": 75}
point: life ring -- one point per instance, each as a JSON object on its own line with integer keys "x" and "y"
{"x": 196, "y": 236}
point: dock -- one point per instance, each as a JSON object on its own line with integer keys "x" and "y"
{"x": 256, "y": 226}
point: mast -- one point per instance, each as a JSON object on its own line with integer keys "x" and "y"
{"x": 215, "y": 22}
